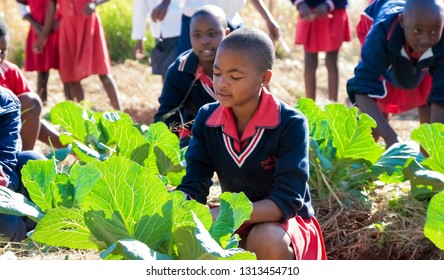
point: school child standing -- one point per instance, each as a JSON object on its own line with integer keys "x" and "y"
{"x": 405, "y": 48}
{"x": 188, "y": 84}
{"x": 165, "y": 23}
{"x": 322, "y": 26}
{"x": 34, "y": 11}
{"x": 256, "y": 144}
{"x": 12, "y": 159}
{"x": 12, "y": 78}
{"x": 82, "y": 46}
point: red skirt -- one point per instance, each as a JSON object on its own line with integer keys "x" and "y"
{"x": 49, "y": 58}
{"x": 324, "y": 34}
{"x": 402, "y": 100}
{"x": 305, "y": 234}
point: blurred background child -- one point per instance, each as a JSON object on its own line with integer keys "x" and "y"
{"x": 34, "y": 11}
{"x": 11, "y": 77}
{"x": 82, "y": 46}
{"x": 322, "y": 26}
{"x": 165, "y": 25}
{"x": 189, "y": 81}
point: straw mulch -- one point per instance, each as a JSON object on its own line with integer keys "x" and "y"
{"x": 389, "y": 227}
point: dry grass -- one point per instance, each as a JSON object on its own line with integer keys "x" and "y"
{"x": 376, "y": 231}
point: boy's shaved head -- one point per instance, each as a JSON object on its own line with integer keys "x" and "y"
{"x": 418, "y": 6}
{"x": 213, "y": 11}
{"x": 253, "y": 43}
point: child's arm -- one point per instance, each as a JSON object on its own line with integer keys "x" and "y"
{"x": 27, "y": 16}
{"x": 369, "y": 106}
{"x": 200, "y": 170}
{"x": 323, "y": 9}
{"x": 273, "y": 26}
{"x": 160, "y": 11}
{"x": 140, "y": 11}
{"x": 9, "y": 136}
{"x": 303, "y": 9}
{"x": 47, "y": 27}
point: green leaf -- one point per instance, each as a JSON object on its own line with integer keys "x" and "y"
{"x": 13, "y": 203}
{"x": 131, "y": 249}
{"x": 235, "y": 209}
{"x": 183, "y": 210}
{"x": 130, "y": 142}
{"x": 131, "y": 197}
{"x": 107, "y": 230}
{"x": 75, "y": 119}
{"x": 394, "y": 159}
{"x": 352, "y": 134}
{"x": 38, "y": 177}
{"x": 197, "y": 244}
{"x": 431, "y": 138}
{"x": 165, "y": 153}
{"x": 424, "y": 183}
{"x": 434, "y": 226}
{"x": 64, "y": 228}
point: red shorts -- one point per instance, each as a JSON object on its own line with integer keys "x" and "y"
{"x": 306, "y": 237}
{"x": 402, "y": 100}
{"x": 324, "y": 34}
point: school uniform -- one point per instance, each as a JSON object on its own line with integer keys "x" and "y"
{"x": 12, "y": 78}
{"x": 12, "y": 159}
{"x": 324, "y": 34}
{"x": 270, "y": 161}
{"x": 82, "y": 44}
{"x": 165, "y": 32}
{"x": 387, "y": 65}
{"x": 49, "y": 58}
{"x": 186, "y": 88}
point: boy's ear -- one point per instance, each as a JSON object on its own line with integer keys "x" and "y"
{"x": 401, "y": 20}
{"x": 227, "y": 31}
{"x": 267, "y": 77}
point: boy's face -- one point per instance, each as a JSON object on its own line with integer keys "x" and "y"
{"x": 3, "y": 48}
{"x": 206, "y": 33}
{"x": 422, "y": 30}
{"x": 237, "y": 80}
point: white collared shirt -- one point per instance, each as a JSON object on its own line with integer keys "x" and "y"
{"x": 169, "y": 27}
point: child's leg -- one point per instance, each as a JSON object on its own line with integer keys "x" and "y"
{"x": 42, "y": 85}
{"x": 76, "y": 91}
{"x": 111, "y": 90}
{"x": 67, "y": 92}
{"x": 269, "y": 241}
{"x": 31, "y": 108}
{"x": 331, "y": 62}
{"x": 310, "y": 66}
